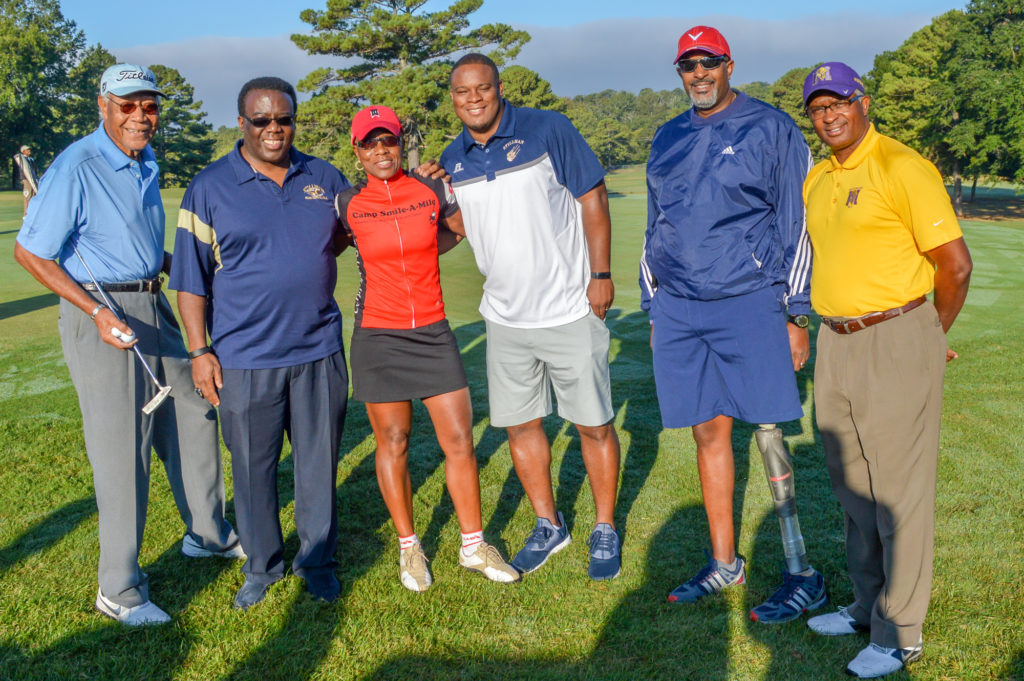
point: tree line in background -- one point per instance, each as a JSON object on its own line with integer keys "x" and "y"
{"x": 49, "y": 80}
{"x": 954, "y": 90}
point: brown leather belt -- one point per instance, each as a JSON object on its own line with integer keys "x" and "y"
{"x": 844, "y": 326}
{"x": 140, "y": 286}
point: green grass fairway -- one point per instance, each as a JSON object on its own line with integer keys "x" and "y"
{"x": 555, "y": 624}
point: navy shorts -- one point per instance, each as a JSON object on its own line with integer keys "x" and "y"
{"x": 726, "y": 357}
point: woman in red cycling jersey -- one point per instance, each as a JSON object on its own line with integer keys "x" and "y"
{"x": 402, "y": 347}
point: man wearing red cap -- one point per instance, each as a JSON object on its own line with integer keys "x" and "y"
{"x": 884, "y": 235}
{"x": 726, "y": 258}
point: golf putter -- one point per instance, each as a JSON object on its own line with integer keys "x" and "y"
{"x": 162, "y": 390}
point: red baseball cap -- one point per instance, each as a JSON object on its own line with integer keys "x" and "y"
{"x": 373, "y": 117}
{"x": 704, "y": 39}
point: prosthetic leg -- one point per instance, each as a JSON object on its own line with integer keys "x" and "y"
{"x": 778, "y": 467}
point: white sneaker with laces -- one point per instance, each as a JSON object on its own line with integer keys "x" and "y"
{"x": 192, "y": 549}
{"x": 486, "y": 560}
{"x": 875, "y": 661}
{"x": 413, "y": 570}
{"x": 838, "y": 623}
{"x": 136, "y": 616}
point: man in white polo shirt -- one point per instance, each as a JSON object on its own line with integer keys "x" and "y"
{"x": 535, "y": 210}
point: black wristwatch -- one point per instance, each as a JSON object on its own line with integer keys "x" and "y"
{"x": 801, "y": 321}
{"x": 199, "y": 352}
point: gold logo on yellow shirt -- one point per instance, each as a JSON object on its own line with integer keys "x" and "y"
{"x": 315, "y": 192}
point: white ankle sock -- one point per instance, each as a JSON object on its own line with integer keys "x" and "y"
{"x": 470, "y": 540}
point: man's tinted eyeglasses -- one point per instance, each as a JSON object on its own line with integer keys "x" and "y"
{"x": 708, "y": 64}
{"x": 264, "y": 121}
{"x": 127, "y": 107}
{"x": 816, "y": 113}
{"x": 386, "y": 140}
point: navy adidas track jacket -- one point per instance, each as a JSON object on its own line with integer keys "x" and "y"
{"x": 725, "y": 213}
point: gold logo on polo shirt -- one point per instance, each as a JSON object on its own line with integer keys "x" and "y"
{"x": 512, "y": 149}
{"x": 315, "y": 192}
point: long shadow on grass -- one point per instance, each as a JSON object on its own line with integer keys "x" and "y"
{"x": 13, "y": 308}
{"x": 1015, "y": 668}
{"x": 47, "y": 532}
{"x": 107, "y": 650}
{"x": 644, "y": 637}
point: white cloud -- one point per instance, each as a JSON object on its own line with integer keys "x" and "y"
{"x": 217, "y": 67}
{"x": 631, "y": 54}
{"x": 619, "y": 54}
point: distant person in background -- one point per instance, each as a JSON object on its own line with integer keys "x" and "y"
{"x": 402, "y": 346}
{"x": 724, "y": 274}
{"x": 101, "y": 196}
{"x": 26, "y": 166}
{"x": 255, "y": 267}
{"x": 884, "y": 235}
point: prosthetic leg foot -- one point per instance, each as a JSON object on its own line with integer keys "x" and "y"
{"x": 803, "y": 589}
{"x": 778, "y": 467}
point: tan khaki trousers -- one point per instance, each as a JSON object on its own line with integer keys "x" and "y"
{"x": 878, "y": 401}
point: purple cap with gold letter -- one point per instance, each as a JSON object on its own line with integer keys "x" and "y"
{"x": 835, "y": 77}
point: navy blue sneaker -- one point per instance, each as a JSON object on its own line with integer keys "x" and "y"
{"x": 545, "y": 541}
{"x": 711, "y": 579}
{"x": 605, "y": 559}
{"x": 796, "y": 596}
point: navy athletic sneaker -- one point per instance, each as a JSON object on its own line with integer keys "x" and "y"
{"x": 797, "y": 595}
{"x": 711, "y": 579}
{"x": 605, "y": 559}
{"x": 545, "y": 541}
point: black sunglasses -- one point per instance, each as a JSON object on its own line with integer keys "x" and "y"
{"x": 386, "y": 140}
{"x": 127, "y": 107}
{"x": 264, "y": 121}
{"x": 709, "y": 64}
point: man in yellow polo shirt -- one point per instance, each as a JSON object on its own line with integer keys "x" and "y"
{"x": 884, "y": 235}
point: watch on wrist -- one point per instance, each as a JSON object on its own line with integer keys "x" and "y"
{"x": 600, "y": 275}
{"x": 801, "y": 321}
{"x": 199, "y": 352}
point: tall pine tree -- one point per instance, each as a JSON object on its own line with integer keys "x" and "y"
{"x": 401, "y": 57}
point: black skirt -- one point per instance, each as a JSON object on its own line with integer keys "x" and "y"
{"x": 392, "y": 365}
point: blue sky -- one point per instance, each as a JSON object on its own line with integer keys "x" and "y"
{"x": 579, "y": 46}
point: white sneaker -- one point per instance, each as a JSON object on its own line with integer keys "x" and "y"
{"x": 839, "y": 623}
{"x": 191, "y": 548}
{"x": 413, "y": 570}
{"x": 875, "y": 661}
{"x": 486, "y": 560}
{"x": 139, "y": 615}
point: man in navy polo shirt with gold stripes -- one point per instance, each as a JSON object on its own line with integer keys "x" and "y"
{"x": 255, "y": 267}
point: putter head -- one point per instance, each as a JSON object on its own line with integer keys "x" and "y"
{"x": 157, "y": 400}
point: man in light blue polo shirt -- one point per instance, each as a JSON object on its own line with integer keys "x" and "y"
{"x": 254, "y": 266}
{"x": 101, "y": 195}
